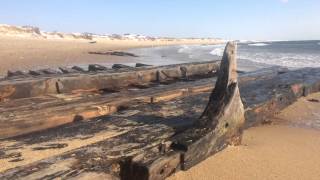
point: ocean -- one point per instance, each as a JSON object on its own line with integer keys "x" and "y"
{"x": 251, "y": 55}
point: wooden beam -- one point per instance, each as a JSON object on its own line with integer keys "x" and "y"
{"x": 21, "y": 116}
{"x": 70, "y": 83}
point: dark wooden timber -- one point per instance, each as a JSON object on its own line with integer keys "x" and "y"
{"x": 129, "y": 134}
{"x": 222, "y": 121}
{"x": 36, "y": 72}
{"x": 17, "y": 74}
{"x": 141, "y": 65}
{"x": 79, "y": 69}
{"x": 21, "y": 116}
{"x": 50, "y": 71}
{"x": 120, "y": 66}
{"x": 69, "y": 83}
{"x": 67, "y": 70}
{"x": 115, "y": 53}
{"x": 97, "y": 67}
{"x": 148, "y": 137}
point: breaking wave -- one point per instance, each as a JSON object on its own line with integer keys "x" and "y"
{"x": 283, "y": 59}
{"x": 217, "y": 51}
{"x": 184, "y": 49}
{"x": 258, "y": 44}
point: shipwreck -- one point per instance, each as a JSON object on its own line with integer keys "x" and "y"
{"x": 137, "y": 123}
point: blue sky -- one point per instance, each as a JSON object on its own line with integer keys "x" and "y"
{"x": 230, "y": 19}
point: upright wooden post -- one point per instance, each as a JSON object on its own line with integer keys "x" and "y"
{"x": 222, "y": 120}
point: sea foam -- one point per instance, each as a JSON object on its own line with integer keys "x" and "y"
{"x": 217, "y": 52}
{"x": 258, "y": 44}
{"x": 184, "y": 49}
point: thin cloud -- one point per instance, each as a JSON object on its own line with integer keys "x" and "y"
{"x": 284, "y": 1}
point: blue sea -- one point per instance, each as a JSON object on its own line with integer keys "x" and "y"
{"x": 251, "y": 55}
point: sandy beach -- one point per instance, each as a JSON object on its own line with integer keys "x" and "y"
{"x": 286, "y": 149}
{"x": 24, "y": 53}
{"x": 160, "y": 90}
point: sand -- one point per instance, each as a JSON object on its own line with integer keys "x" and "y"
{"x": 22, "y": 53}
{"x": 287, "y": 149}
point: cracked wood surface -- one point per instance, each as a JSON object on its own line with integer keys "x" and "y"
{"x": 21, "y": 116}
{"x": 44, "y": 84}
{"x": 174, "y": 116}
{"x": 143, "y": 133}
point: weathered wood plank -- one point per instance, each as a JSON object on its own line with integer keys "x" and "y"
{"x": 222, "y": 121}
{"x": 121, "y": 66}
{"x": 42, "y": 85}
{"x": 142, "y": 65}
{"x": 151, "y": 141}
{"x": 96, "y": 67}
{"x": 99, "y": 157}
{"x": 55, "y": 111}
{"x": 195, "y": 144}
{"x": 17, "y": 74}
{"x": 79, "y": 69}
{"x": 175, "y": 114}
{"x": 50, "y": 71}
{"x": 267, "y": 97}
{"x": 67, "y": 70}
{"x": 20, "y": 116}
{"x": 220, "y": 124}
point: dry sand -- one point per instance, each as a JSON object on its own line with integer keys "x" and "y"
{"x": 288, "y": 149}
{"x": 22, "y": 53}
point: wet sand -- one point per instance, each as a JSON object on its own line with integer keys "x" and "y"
{"x": 22, "y": 53}
{"x": 287, "y": 149}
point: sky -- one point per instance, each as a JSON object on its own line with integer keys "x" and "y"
{"x": 228, "y": 19}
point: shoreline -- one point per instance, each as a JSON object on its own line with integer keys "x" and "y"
{"x": 24, "y": 53}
